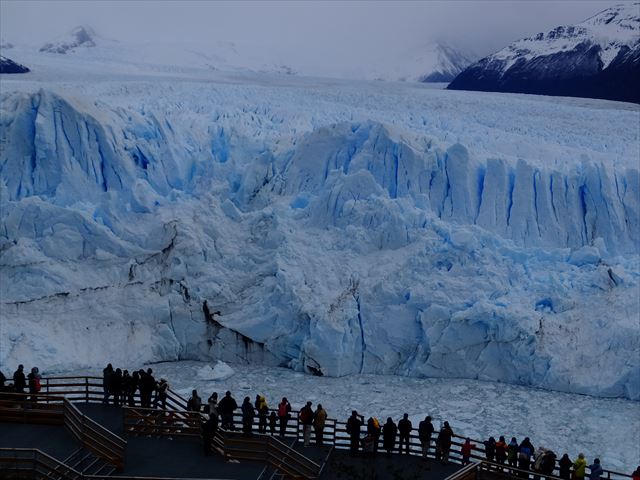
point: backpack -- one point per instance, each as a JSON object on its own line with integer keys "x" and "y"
{"x": 282, "y": 410}
{"x": 524, "y": 455}
{"x": 376, "y": 423}
{"x": 36, "y": 384}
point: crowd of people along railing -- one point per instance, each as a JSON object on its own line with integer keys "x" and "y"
{"x": 90, "y": 389}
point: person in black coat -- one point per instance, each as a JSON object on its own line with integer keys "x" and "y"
{"x": 425, "y": 430}
{"x": 404, "y": 428}
{"x": 248, "y": 414}
{"x": 19, "y": 380}
{"x": 353, "y": 429}
{"x": 565, "y": 465}
{"x": 107, "y": 372}
{"x": 115, "y": 386}
{"x": 225, "y": 408}
{"x": 490, "y": 449}
{"x": 389, "y": 432}
{"x": 209, "y": 429}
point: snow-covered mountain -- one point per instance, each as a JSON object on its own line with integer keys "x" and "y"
{"x": 434, "y": 62}
{"x": 597, "y": 58}
{"x": 339, "y": 227}
{"x": 79, "y": 37}
{"x": 9, "y": 66}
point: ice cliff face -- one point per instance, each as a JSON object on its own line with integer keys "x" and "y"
{"x": 597, "y": 58}
{"x": 364, "y": 237}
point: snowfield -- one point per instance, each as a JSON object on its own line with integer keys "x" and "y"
{"x": 337, "y": 227}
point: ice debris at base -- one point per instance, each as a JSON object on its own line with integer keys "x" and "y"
{"x": 221, "y": 371}
{"x": 332, "y": 227}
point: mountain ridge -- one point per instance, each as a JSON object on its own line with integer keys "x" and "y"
{"x": 596, "y": 58}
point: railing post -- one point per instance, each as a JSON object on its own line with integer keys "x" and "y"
{"x": 86, "y": 389}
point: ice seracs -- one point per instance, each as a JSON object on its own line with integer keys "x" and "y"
{"x": 338, "y": 228}
{"x": 598, "y": 58}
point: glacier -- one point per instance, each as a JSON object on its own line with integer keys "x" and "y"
{"x": 328, "y": 226}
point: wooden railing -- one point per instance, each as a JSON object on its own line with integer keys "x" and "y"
{"x": 94, "y": 437}
{"x": 161, "y": 423}
{"x": 266, "y": 448}
{"x": 31, "y": 462}
{"x": 38, "y": 409}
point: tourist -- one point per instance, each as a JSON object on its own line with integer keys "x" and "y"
{"x": 115, "y": 386}
{"x": 213, "y": 404}
{"x": 263, "y": 410}
{"x": 374, "y": 430}
{"x": 548, "y": 463}
{"x": 306, "y": 418}
{"x": 579, "y": 467}
{"x": 147, "y": 387}
{"x": 389, "y": 432}
{"x": 636, "y": 474}
{"x": 501, "y": 450}
{"x": 466, "y": 451}
{"x": 525, "y": 451}
{"x": 319, "y": 421}
{"x": 248, "y": 414}
{"x": 596, "y": 470}
{"x": 353, "y": 429}
{"x": 565, "y": 465}
{"x": 107, "y": 372}
{"x": 226, "y": 408}
{"x": 425, "y": 430}
{"x": 209, "y": 429}
{"x": 162, "y": 391}
{"x": 273, "y": 421}
{"x": 284, "y": 413}
{"x": 126, "y": 385}
{"x": 194, "y": 404}
{"x": 490, "y": 449}
{"x": 404, "y": 429}
{"x": 134, "y": 383}
{"x": 444, "y": 442}
{"x": 34, "y": 383}
{"x": 512, "y": 452}
{"x": 19, "y": 380}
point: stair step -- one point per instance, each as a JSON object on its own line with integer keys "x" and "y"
{"x": 72, "y": 458}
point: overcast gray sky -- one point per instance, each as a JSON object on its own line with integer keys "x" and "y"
{"x": 348, "y": 30}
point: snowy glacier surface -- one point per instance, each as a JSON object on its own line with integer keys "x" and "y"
{"x": 327, "y": 226}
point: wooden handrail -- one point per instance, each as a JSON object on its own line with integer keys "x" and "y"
{"x": 94, "y": 437}
{"x": 38, "y": 461}
{"x": 268, "y": 449}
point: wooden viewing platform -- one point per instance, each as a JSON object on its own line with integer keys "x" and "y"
{"x": 66, "y": 433}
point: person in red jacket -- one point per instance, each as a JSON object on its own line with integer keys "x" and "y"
{"x": 466, "y": 451}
